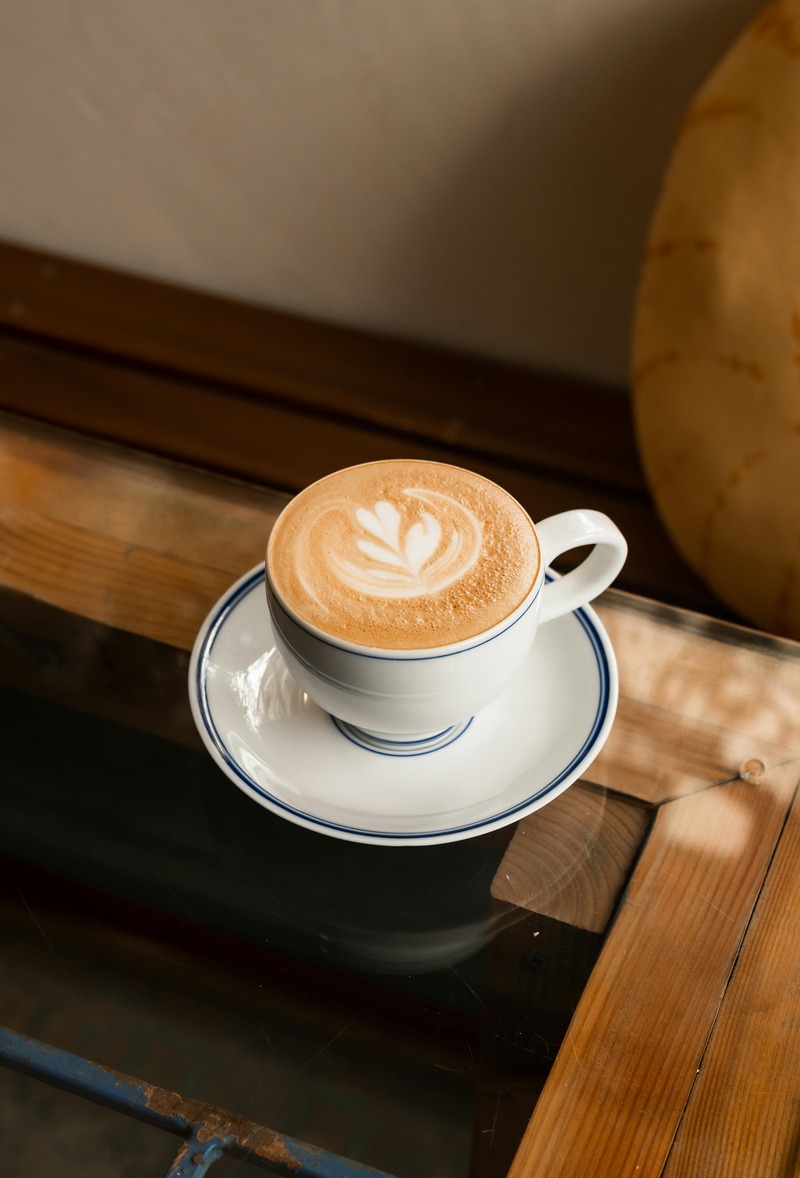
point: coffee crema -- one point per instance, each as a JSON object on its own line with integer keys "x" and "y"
{"x": 403, "y": 554}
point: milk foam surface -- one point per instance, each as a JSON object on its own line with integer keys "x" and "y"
{"x": 403, "y": 555}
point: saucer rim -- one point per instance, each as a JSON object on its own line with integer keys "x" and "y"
{"x": 202, "y": 712}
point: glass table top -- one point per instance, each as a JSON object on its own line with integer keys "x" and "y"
{"x": 381, "y": 1003}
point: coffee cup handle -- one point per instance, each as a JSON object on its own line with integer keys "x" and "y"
{"x": 574, "y": 529}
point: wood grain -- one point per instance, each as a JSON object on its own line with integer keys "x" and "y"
{"x": 692, "y": 708}
{"x": 570, "y": 859}
{"x": 120, "y": 538}
{"x": 748, "y": 1084}
{"x": 625, "y": 1073}
{"x": 167, "y": 508}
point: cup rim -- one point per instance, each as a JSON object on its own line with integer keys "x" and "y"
{"x": 408, "y": 654}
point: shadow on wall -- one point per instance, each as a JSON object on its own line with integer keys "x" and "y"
{"x": 533, "y": 245}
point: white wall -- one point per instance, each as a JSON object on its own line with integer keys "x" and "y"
{"x": 471, "y": 172}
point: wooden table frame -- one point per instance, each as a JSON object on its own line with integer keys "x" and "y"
{"x": 682, "y": 1055}
{"x": 278, "y": 400}
{"x": 681, "y": 1058}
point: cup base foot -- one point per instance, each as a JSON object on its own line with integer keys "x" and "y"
{"x": 389, "y": 745}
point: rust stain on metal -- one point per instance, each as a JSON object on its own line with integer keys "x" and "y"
{"x": 265, "y": 1143}
{"x": 213, "y": 1122}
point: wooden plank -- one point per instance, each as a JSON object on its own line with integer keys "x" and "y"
{"x": 693, "y": 708}
{"x": 131, "y": 588}
{"x": 614, "y": 1099}
{"x": 570, "y": 860}
{"x": 120, "y": 538}
{"x": 572, "y": 427}
{"x": 281, "y": 448}
{"x": 134, "y": 498}
{"x": 742, "y": 1120}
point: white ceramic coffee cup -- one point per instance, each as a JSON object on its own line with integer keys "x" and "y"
{"x": 400, "y": 696}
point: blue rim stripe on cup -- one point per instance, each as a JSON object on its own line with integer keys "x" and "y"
{"x": 351, "y": 648}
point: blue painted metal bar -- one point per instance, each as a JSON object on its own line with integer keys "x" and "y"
{"x": 210, "y": 1132}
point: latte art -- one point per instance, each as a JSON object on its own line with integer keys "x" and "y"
{"x": 403, "y": 555}
{"x": 402, "y": 559}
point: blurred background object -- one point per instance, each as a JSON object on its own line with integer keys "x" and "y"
{"x": 716, "y": 340}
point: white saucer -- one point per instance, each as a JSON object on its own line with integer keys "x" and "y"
{"x": 287, "y": 754}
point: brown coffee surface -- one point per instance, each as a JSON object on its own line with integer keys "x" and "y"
{"x": 403, "y": 555}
